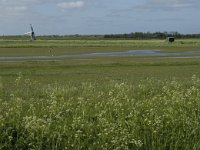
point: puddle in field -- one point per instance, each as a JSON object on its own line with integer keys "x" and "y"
{"x": 131, "y": 53}
{"x": 146, "y": 53}
{"x": 149, "y": 53}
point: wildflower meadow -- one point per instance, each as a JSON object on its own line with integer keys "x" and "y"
{"x": 152, "y": 114}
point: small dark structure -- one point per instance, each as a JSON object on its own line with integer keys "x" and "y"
{"x": 170, "y": 37}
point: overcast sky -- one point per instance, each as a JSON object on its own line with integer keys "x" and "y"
{"x": 98, "y": 16}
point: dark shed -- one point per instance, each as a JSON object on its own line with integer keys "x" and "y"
{"x": 171, "y": 39}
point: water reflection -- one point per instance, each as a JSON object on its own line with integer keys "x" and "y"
{"x": 144, "y": 53}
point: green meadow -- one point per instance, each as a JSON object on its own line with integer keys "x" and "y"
{"x": 99, "y": 43}
{"x": 99, "y": 102}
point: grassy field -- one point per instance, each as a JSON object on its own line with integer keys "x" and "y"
{"x": 99, "y": 102}
{"x": 58, "y": 47}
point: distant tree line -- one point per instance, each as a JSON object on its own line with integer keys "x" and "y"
{"x": 51, "y": 37}
{"x": 135, "y": 35}
{"x": 148, "y": 35}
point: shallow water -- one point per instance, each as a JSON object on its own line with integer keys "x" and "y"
{"x": 131, "y": 53}
{"x": 144, "y": 53}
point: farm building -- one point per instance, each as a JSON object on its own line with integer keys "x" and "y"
{"x": 170, "y": 39}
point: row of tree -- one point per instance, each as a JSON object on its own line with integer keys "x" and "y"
{"x": 148, "y": 35}
{"x": 135, "y": 35}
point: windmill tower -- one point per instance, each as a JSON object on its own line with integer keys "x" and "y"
{"x": 31, "y": 34}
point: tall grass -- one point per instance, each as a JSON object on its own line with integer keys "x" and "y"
{"x": 153, "y": 114}
{"x": 194, "y": 43}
